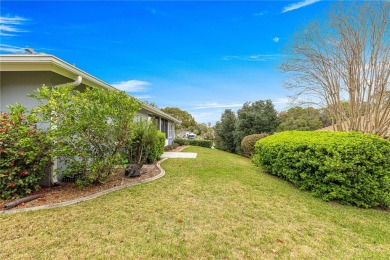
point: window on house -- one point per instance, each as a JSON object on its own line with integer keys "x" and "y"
{"x": 171, "y": 133}
{"x": 164, "y": 126}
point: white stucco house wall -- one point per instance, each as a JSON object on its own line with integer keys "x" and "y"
{"x": 21, "y": 74}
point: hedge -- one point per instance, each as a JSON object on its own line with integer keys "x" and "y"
{"x": 146, "y": 145}
{"x": 196, "y": 142}
{"x": 349, "y": 167}
{"x": 158, "y": 148}
{"x": 248, "y": 143}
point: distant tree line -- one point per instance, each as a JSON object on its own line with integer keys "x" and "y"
{"x": 188, "y": 123}
{"x": 261, "y": 117}
{"x": 253, "y": 118}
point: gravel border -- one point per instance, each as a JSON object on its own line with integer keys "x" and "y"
{"x": 90, "y": 197}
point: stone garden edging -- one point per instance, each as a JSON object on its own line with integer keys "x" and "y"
{"x": 89, "y": 197}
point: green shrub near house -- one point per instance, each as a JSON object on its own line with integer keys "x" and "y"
{"x": 24, "y": 153}
{"x": 158, "y": 148}
{"x": 182, "y": 141}
{"x": 349, "y": 167}
{"x": 248, "y": 143}
{"x": 88, "y": 128}
{"x": 195, "y": 142}
{"x": 146, "y": 145}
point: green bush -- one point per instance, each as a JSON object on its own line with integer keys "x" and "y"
{"x": 146, "y": 145}
{"x": 202, "y": 143}
{"x": 182, "y": 141}
{"x": 248, "y": 143}
{"x": 171, "y": 147}
{"x": 158, "y": 148}
{"x": 24, "y": 153}
{"x": 349, "y": 167}
{"x": 89, "y": 128}
{"x": 195, "y": 142}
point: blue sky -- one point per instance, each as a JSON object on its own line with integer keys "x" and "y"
{"x": 200, "y": 56}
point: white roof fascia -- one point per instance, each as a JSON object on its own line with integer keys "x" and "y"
{"x": 47, "y": 62}
{"x": 159, "y": 112}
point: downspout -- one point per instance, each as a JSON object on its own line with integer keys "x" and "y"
{"x": 72, "y": 84}
{"x": 54, "y": 179}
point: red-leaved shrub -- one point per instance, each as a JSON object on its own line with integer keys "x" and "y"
{"x": 24, "y": 153}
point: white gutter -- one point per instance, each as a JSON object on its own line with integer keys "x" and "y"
{"x": 159, "y": 112}
{"x": 72, "y": 84}
{"x": 52, "y": 63}
{"x": 54, "y": 167}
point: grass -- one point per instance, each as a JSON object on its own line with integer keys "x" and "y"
{"x": 228, "y": 208}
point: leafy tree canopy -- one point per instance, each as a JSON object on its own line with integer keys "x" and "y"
{"x": 187, "y": 120}
{"x": 254, "y": 118}
{"x": 224, "y": 131}
{"x": 298, "y": 118}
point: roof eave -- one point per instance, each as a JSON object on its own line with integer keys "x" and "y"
{"x": 61, "y": 67}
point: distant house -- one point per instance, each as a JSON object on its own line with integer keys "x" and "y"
{"x": 21, "y": 74}
{"x": 186, "y": 134}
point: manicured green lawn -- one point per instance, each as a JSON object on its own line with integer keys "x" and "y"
{"x": 228, "y": 208}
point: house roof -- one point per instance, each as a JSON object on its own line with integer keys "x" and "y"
{"x": 47, "y": 62}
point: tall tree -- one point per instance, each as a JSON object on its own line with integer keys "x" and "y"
{"x": 346, "y": 58}
{"x": 254, "y": 118}
{"x": 187, "y": 120}
{"x": 202, "y": 129}
{"x": 224, "y": 131}
{"x": 298, "y": 118}
{"x": 324, "y": 117}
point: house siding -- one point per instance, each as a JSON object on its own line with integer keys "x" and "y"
{"x": 15, "y": 85}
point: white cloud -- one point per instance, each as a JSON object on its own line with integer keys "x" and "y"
{"x": 144, "y": 97}
{"x": 6, "y": 34}
{"x": 132, "y": 85}
{"x": 298, "y": 5}
{"x": 260, "y": 13}
{"x": 9, "y": 25}
{"x": 283, "y": 101}
{"x": 12, "y": 20}
{"x": 206, "y": 117}
{"x": 8, "y": 28}
{"x": 281, "y": 104}
{"x": 256, "y": 57}
{"x": 156, "y": 12}
{"x": 4, "y": 48}
{"x": 276, "y": 39}
{"x": 216, "y": 105}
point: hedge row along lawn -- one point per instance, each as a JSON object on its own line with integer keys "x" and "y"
{"x": 349, "y": 167}
{"x": 216, "y": 206}
{"x": 194, "y": 142}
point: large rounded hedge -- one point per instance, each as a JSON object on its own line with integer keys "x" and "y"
{"x": 248, "y": 143}
{"x": 350, "y": 167}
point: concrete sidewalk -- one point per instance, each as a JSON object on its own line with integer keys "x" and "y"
{"x": 178, "y": 155}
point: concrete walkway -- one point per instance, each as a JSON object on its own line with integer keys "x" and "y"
{"x": 178, "y": 155}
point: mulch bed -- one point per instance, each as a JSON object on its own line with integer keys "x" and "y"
{"x": 69, "y": 191}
